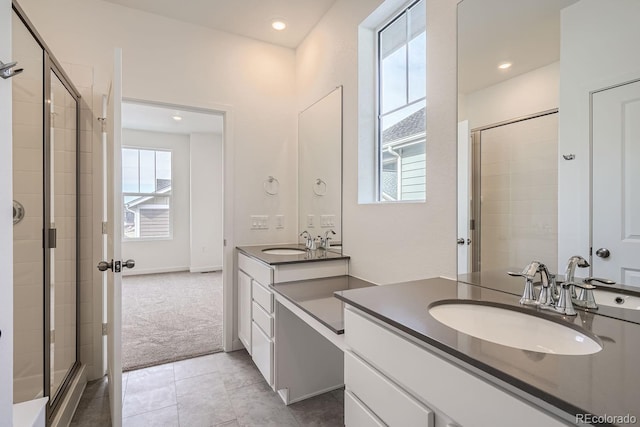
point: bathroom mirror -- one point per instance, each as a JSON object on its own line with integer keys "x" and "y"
{"x": 545, "y": 172}
{"x": 320, "y": 168}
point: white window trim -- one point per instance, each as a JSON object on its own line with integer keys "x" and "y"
{"x": 171, "y": 211}
{"x": 368, "y": 102}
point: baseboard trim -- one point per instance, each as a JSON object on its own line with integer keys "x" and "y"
{"x": 206, "y": 269}
{"x": 235, "y": 345}
{"x": 139, "y": 272}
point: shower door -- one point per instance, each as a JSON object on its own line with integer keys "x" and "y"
{"x": 62, "y": 215}
{"x": 45, "y": 243}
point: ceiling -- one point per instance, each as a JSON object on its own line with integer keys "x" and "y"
{"x": 523, "y": 32}
{"x": 250, "y": 18}
{"x": 159, "y": 119}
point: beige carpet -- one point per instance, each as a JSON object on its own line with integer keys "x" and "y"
{"x": 171, "y": 316}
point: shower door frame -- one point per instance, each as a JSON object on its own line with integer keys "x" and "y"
{"x": 476, "y": 182}
{"x": 51, "y": 65}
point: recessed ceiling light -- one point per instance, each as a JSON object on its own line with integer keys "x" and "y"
{"x": 278, "y": 24}
{"x": 505, "y": 65}
{"x": 177, "y": 117}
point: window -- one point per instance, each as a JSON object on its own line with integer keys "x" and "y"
{"x": 146, "y": 193}
{"x": 401, "y": 106}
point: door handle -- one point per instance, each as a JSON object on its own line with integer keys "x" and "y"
{"x": 116, "y": 266}
{"x": 603, "y": 253}
{"x": 104, "y": 265}
{"x": 460, "y": 241}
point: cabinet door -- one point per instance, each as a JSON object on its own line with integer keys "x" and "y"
{"x": 244, "y": 310}
{"x": 262, "y": 354}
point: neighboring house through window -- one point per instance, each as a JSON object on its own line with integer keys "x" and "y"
{"x": 146, "y": 193}
{"x": 401, "y": 142}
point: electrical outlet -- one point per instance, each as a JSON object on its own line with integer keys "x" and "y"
{"x": 259, "y": 222}
{"x": 310, "y": 221}
{"x": 327, "y": 221}
{"x": 279, "y": 221}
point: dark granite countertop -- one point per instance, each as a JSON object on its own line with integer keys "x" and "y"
{"x": 607, "y": 382}
{"x": 501, "y": 281}
{"x": 316, "y": 297}
{"x": 308, "y": 256}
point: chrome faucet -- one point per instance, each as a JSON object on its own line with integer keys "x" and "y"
{"x": 325, "y": 242}
{"x": 529, "y": 273}
{"x": 310, "y": 243}
{"x": 569, "y": 274}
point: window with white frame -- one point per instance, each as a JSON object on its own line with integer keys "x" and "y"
{"x": 401, "y": 106}
{"x": 146, "y": 193}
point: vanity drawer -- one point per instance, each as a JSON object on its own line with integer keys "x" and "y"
{"x": 262, "y": 352}
{"x": 356, "y": 414}
{"x": 388, "y": 401}
{"x": 259, "y": 271}
{"x": 262, "y": 296}
{"x": 263, "y": 320}
{"x": 434, "y": 380}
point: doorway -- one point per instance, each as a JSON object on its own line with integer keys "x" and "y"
{"x": 514, "y": 193}
{"x": 172, "y": 207}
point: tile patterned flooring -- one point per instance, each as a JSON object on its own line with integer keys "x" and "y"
{"x": 222, "y": 389}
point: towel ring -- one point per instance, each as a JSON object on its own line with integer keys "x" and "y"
{"x": 18, "y": 212}
{"x": 320, "y": 187}
{"x": 269, "y": 187}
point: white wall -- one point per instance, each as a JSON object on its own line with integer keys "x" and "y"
{"x": 158, "y": 256}
{"x": 597, "y": 50}
{"x": 173, "y": 62}
{"x": 390, "y": 242}
{"x": 6, "y": 228}
{"x": 526, "y": 94}
{"x": 206, "y": 202}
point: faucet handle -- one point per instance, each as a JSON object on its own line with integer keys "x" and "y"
{"x": 599, "y": 280}
{"x": 564, "y": 304}
{"x": 515, "y": 274}
{"x": 585, "y": 297}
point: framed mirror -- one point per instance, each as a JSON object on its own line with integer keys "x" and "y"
{"x": 320, "y": 169}
{"x": 549, "y": 133}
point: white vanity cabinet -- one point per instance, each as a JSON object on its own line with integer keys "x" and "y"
{"x": 244, "y": 309}
{"x": 256, "y": 303}
{"x": 392, "y": 380}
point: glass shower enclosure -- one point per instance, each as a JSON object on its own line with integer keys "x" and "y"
{"x": 46, "y": 212}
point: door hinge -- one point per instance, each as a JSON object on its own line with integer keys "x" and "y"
{"x": 53, "y": 238}
{"x": 224, "y": 242}
{"x": 103, "y": 124}
{"x": 104, "y": 227}
{"x": 104, "y": 329}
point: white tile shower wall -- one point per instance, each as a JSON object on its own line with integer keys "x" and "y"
{"x": 519, "y": 194}
{"x": 28, "y": 262}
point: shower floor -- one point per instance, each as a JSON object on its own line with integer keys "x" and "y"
{"x": 169, "y": 317}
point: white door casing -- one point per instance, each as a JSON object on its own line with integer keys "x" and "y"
{"x": 615, "y": 119}
{"x": 111, "y": 197}
{"x": 464, "y": 204}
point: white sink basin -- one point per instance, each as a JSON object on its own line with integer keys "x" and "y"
{"x": 283, "y": 251}
{"x": 616, "y": 299}
{"x": 513, "y": 328}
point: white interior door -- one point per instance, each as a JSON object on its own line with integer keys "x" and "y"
{"x": 464, "y": 203}
{"x": 112, "y": 215}
{"x": 616, "y": 184}
{"x": 6, "y": 225}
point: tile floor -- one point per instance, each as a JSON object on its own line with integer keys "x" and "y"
{"x": 222, "y": 389}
